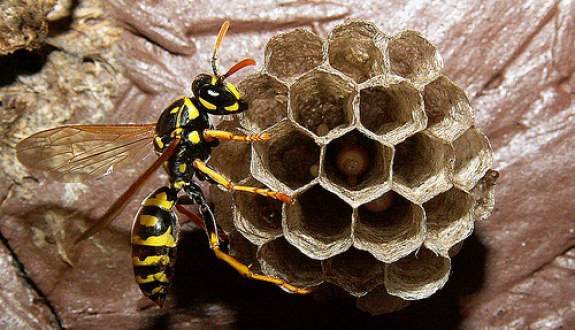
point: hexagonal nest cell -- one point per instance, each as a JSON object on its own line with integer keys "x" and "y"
{"x": 389, "y": 227}
{"x": 418, "y": 275}
{"x": 291, "y": 156}
{"x": 355, "y": 271}
{"x": 293, "y": 53}
{"x": 322, "y": 101}
{"x": 393, "y": 111}
{"x": 449, "y": 220}
{"x": 319, "y": 223}
{"x": 267, "y": 99}
{"x": 281, "y": 259}
{"x": 258, "y": 218}
{"x": 448, "y": 109}
{"x": 352, "y": 50}
{"x": 413, "y": 57}
{"x": 379, "y": 152}
{"x": 473, "y": 157}
{"x": 422, "y": 163}
{"x": 355, "y": 162}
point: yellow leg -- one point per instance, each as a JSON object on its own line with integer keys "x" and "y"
{"x": 228, "y": 136}
{"x": 245, "y": 270}
{"x": 220, "y": 179}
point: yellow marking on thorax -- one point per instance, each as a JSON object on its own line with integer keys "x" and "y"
{"x": 158, "y": 289}
{"x": 234, "y": 90}
{"x": 166, "y": 239}
{"x": 233, "y": 107}
{"x": 180, "y": 184}
{"x": 182, "y": 168}
{"x": 147, "y": 220}
{"x": 194, "y": 137}
{"x": 175, "y": 110}
{"x": 207, "y": 104}
{"x": 159, "y": 142}
{"x": 161, "y": 203}
{"x": 159, "y": 276}
{"x": 177, "y": 132}
{"x": 151, "y": 260}
{"x": 193, "y": 112}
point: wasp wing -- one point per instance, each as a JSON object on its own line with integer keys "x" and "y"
{"x": 76, "y": 153}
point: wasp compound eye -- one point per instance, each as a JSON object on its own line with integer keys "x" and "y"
{"x": 380, "y": 152}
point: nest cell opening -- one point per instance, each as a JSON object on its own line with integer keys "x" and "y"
{"x": 449, "y": 219}
{"x": 417, "y": 159}
{"x": 243, "y": 250}
{"x": 281, "y": 259}
{"x": 352, "y": 50}
{"x": 473, "y": 157}
{"x": 418, "y": 275}
{"x": 391, "y": 229}
{"x": 231, "y": 159}
{"x": 378, "y": 302}
{"x": 319, "y": 218}
{"x": 293, "y": 158}
{"x": 262, "y": 216}
{"x": 413, "y": 57}
{"x": 322, "y": 101}
{"x": 291, "y": 54}
{"x": 355, "y": 161}
{"x": 267, "y": 99}
{"x": 447, "y": 107}
{"x": 386, "y": 109}
{"x": 355, "y": 271}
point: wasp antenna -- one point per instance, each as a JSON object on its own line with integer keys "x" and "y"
{"x": 221, "y": 34}
{"x": 240, "y": 65}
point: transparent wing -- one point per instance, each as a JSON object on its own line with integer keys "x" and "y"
{"x": 76, "y": 153}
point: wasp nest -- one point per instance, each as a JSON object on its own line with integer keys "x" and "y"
{"x": 381, "y": 154}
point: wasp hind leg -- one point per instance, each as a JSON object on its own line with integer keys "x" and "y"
{"x": 195, "y": 193}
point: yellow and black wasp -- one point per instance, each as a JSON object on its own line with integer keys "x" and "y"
{"x": 183, "y": 138}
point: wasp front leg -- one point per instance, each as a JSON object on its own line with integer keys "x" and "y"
{"x": 195, "y": 193}
{"x": 221, "y": 180}
{"x": 210, "y": 135}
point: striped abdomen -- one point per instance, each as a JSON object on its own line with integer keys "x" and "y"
{"x": 154, "y": 240}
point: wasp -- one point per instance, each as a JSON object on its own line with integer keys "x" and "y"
{"x": 183, "y": 138}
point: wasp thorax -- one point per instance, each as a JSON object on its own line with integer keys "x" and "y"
{"x": 379, "y": 151}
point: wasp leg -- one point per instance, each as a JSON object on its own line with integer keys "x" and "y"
{"x": 228, "y": 136}
{"x": 211, "y": 228}
{"x": 221, "y": 180}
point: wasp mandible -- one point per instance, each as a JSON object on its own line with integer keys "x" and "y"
{"x": 183, "y": 138}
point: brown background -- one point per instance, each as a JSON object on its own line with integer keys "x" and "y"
{"x": 514, "y": 58}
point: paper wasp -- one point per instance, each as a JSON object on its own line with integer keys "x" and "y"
{"x": 183, "y": 138}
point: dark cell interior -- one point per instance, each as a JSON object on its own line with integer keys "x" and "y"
{"x": 416, "y": 160}
{"x": 292, "y": 159}
{"x": 262, "y": 212}
{"x": 323, "y": 213}
{"x": 290, "y": 262}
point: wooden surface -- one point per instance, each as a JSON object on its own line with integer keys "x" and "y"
{"x": 515, "y": 60}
